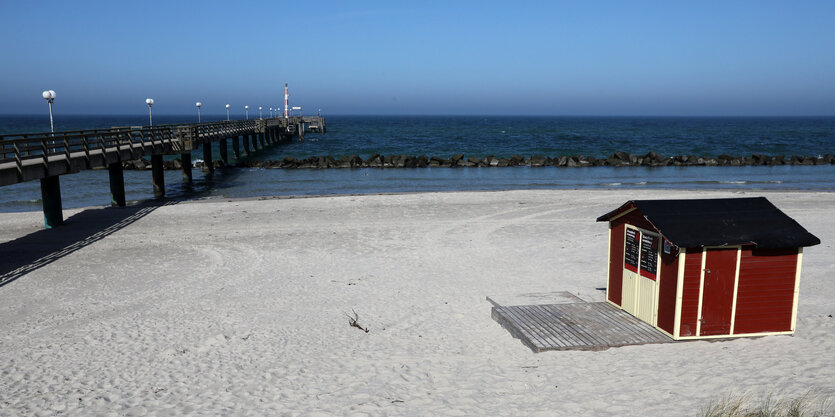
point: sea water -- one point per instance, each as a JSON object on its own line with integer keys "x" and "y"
{"x": 471, "y": 136}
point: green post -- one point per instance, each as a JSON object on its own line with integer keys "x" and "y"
{"x": 224, "y": 155}
{"x": 185, "y": 159}
{"x": 51, "y": 196}
{"x": 158, "y": 175}
{"x": 208, "y": 166}
{"x": 117, "y": 184}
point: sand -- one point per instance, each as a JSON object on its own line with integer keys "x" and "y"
{"x": 239, "y": 308}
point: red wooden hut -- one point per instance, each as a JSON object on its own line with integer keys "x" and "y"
{"x": 706, "y": 268}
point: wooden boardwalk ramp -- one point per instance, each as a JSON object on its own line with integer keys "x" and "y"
{"x": 575, "y": 326}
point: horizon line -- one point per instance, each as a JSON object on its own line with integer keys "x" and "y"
{"x": 223, "y": 115}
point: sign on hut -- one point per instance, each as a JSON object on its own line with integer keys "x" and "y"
{"x": 706, "y": 268}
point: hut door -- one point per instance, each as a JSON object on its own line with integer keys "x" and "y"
{"x": 640, "y": 263}
{"x": 717, "y": 295}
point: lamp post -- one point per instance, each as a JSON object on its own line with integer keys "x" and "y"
{"x": 198, "y": 104}
{"x": 227, "y": 112}
{"x": 51, "y": 184}
{"x": 49, "y": 95}
{"x": 150, "y": 102}
{"x": 271, "y": 112}
{"x": 259, "y": 112}
{"x": 247, "y": 112}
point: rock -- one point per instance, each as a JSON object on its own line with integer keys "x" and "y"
{"x": 289, "y": 162}
{"x": 218, "y": 164}
{"x": 473, "y": 160}
{"x": 654, "y": 157}
{"x": 621, "y": 155}
{"x": 537, "y": 161}
{"x": 572, "y": 162}
{"x": 515, "y": 160}
{"x": 561, "y": 161}
{"x": 455, "y": 159}
{"x": 422, "y": 161}
{"x": 375, "y": 161}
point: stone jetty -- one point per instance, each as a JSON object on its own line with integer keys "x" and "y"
{"x": 617, "y": 159}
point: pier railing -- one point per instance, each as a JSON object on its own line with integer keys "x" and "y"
{"x": 46, "y": 155}
{"x": 19, "y": 148}
{"x": 30, "y": 156}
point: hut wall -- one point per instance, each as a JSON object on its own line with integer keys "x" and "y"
{"x": 690, "y": 292}
{"x": 765, "y": 295}
{"x": 667, "y": 281}
{"x": 615, "y": 285}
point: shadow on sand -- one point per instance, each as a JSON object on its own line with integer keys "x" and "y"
{"x": 31, "y": 252}
{"x": 28, "y": 253}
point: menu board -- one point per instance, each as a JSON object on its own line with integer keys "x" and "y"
{"x": 632, "y": 249}
{"x": 649, "y": 256}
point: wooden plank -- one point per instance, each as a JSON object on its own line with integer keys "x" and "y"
{"x": 575, "y": 326}
{"x": 530, "y": 325}
{"x": 566, "y": 327}
{"x": 523, "y": 329}
{"x": 559, "y": 328}
{"x": 554, "y": 337}
{"x": 501, "y": 318}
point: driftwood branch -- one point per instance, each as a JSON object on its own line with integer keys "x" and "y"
{"x": 353, "y": 321}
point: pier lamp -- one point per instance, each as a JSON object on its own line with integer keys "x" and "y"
{"x": 259, "y": 112}
{"x": 227, "y": 112}
{"x": 247, "y": 112}
{"x": 49, "y": 95}
{"x": 150, "y": 102}
{"x": 198, "y": 104}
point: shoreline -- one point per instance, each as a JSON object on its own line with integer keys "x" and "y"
{"x": 214, "y": 199}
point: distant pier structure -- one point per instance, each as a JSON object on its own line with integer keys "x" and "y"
{"x": 46, "y": 156}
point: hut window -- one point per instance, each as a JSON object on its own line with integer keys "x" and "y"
{"x": 632, "y": 249}
{"x": 649, "y": 256}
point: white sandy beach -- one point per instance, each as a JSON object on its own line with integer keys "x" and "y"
{"x": 239, "y": 308}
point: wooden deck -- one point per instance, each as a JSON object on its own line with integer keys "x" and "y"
{"x": 575, "y": 326}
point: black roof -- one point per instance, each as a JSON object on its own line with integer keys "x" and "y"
{"x": 721, "y": 221}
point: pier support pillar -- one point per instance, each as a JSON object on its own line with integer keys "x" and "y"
{"x": 236, "y": 147}
{"x": 224, "y": 154}
{"x": 51, "y": 197}
{"x": 254, "y": 144}
{"x": 245, "y": 139}
{"x": 117, "y": 184}
{"x": 301, "y": 131}
{"x": 158, "y": 175}
{"x": 185, "y": 158}
{"x": 208, "y": 166}
{"x": 260, "y": 141}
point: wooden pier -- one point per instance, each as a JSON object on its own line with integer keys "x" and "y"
{"x": 45, "y": 156}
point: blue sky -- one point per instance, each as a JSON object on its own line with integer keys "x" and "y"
{"x": 448, "y": 57}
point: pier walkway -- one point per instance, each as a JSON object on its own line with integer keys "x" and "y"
{"x": 45, "y": 156}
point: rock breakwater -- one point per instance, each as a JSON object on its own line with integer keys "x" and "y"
{"x": 617, "y": 159}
